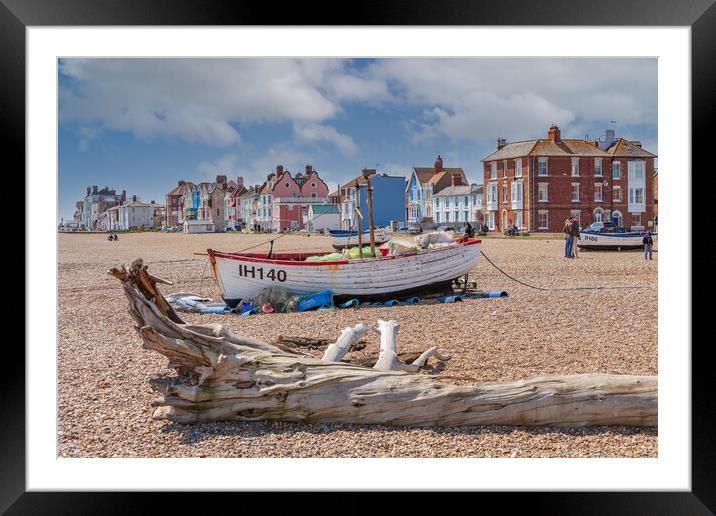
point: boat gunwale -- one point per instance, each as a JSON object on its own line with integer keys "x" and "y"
{"x": 253, "y": 259}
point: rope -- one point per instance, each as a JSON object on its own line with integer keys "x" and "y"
{"x": 201, "y": 285}
{"x": 545, "y": 289}
{"x": 272, "y": 240}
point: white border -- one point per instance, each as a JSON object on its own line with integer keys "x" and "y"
{"x": 672, "y": 468}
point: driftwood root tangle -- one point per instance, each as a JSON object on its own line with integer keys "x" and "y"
{"x": 227, "y": 376}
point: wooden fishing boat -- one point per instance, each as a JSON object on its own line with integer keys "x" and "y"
{"x": 605, "y": 235}
{"x": 243, "y": 275}
{"x": 344, "y": 238}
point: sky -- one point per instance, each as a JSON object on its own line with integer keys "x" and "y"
{"x": 142, "y": 124}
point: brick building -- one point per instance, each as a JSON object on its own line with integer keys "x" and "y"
{"x": 537, "y": 184}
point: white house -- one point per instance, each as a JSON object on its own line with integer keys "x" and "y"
{"x": 458, "y": 204}
{"x": 323, "y": 217}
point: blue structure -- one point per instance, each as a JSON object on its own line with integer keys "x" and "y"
{"x": 388, "y": 200}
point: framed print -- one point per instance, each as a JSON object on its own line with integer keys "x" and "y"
{"x": 503, "y": 324}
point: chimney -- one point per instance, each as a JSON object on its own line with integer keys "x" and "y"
{"x": 124, "y": 195}
{"x": 610, "y": 136}
{"x": 94, "y": 189}
{"x": 239, "y": 182}
{"x": 89, "y": 190}
{"x": 456, "y": 179}
{"x": 309, "y": 169}
{"x": 221, "y": 179}
{"x": 134, "y": 198}
{"x": 554, "y": 134}
{"x": 501, "y": 142}
{"x": 279, "y": 170}
{"x": 438, "y": 164}
{"x": 151, "y": 202}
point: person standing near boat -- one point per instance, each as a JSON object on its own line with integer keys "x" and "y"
{"x": 648, "y": 244}
{"x": 469, "y": 231}
{"x": 575, "y": 236}
{"x": 569, "y": 239}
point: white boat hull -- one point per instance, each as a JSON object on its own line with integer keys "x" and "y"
{"x": 242, "y": 277}
{"x": 380, "y": 235}
{"x": 611, "y": 240}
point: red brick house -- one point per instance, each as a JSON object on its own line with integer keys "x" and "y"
{"x": 538, "y": 184}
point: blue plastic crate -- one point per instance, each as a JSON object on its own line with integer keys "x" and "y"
{"x": 317, "y": 300}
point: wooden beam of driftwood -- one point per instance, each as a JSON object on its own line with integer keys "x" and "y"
{"x": 235, "y": 377}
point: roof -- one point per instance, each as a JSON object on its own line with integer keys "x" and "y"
{"x": 358, "y": 180}
{"x": 459, "y": 190}
{"x": 177, "y": 190}
{"x": 322, "y": 209}
{"x": 547, "y": 147}
{"x": 137, "y": 204}
{"x": 625, "y": 148}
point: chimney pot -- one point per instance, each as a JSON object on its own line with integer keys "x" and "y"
{"x": 279, "y": 170}
{"x": 501, "y": 142}
{"x": 554, "y": 133}
{"x": 309, "y": 168}
{"x": 439, "y": 164}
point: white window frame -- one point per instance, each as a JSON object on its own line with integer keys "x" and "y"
{"x": 598, "y": 192}
{"x": 600, "y": 213}
{"x": 619, "y": 198}
{"x": 631, "y": 170}
{"x": 572, "y": 194}
{"x": 504, "y": 168}
{"x": 616, "y": 167}
{"x": 546, "y": 167}
{"x": 519, "y": 222}
{"x": 545, "y": 214}
{"x": 632, "y": 195}
{"x": 493, "y": 170}
{"x": 598, "y": 171}
{"x": 546, "y": 192}
{"x": 518, "y": 168}
{"x": 504, "y": 193}
{"x": 575, "y": 169}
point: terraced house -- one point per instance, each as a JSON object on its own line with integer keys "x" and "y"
{"x": 425, "y": 182}
{"x": 537, "y": 184}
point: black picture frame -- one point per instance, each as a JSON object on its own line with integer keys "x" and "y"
{"x": 700, "y": 15}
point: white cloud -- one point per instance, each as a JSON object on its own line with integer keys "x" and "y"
{"x": 480, "y": 99}
{"x": 316, "y": 133}
{"x": 197, "y": 100}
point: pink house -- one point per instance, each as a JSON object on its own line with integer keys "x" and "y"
{"x": 292, "y": 196}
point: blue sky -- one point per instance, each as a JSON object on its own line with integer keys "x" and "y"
{"x": 142, "y": 124}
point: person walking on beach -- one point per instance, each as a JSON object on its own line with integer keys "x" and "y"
{"x": 648, "y": 244}
{"x": 569, "y": 239}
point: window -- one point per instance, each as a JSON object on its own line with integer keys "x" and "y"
{"x": 616, "y": 170}
{"x": 577, "y": 214}
{"x": 598, "y": 192}
{"x": 542, "y": 167}
{"x": 598, "y": 215}
{"x": 413, "y": 212}
{"x": 575, "y": 192}
{"x": 636, "y": 170}
{"x": 504, "y": 193}
{"x": 636, "y": 196}
{"x": 493, "y": 170}
{"x": 518, "y": 219}
{"x": 437, "y": 204}
{"x": 543, "y": 219}
{"x": 575, "y": 166}
{"x": 598, "y": 167}
{"x": 617, "y": 194}
{"x": 313, "y": 185}
{"x": 313, "y": 195}
{"x": 465, "y": 216}
{"x": 504, "y": 168}
{"x": 465, "y": 201}
{"x": 636, "y": 219}
{"x": 542, "y": 192}
{"x": 516, "y": 194}
{"x": 518, "y": 168}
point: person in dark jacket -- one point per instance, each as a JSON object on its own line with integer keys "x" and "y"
{"x": 648, "y": 244}
{"x": 469, "y": 231}
{"x": 574, "y": 230}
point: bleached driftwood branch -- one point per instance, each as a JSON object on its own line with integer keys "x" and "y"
{"x": 233, "y": 377}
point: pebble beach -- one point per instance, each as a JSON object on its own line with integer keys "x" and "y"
{"x": 104, "y": 392}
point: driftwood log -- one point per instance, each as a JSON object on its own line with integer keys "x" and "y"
{"x": 224, "y": 376}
